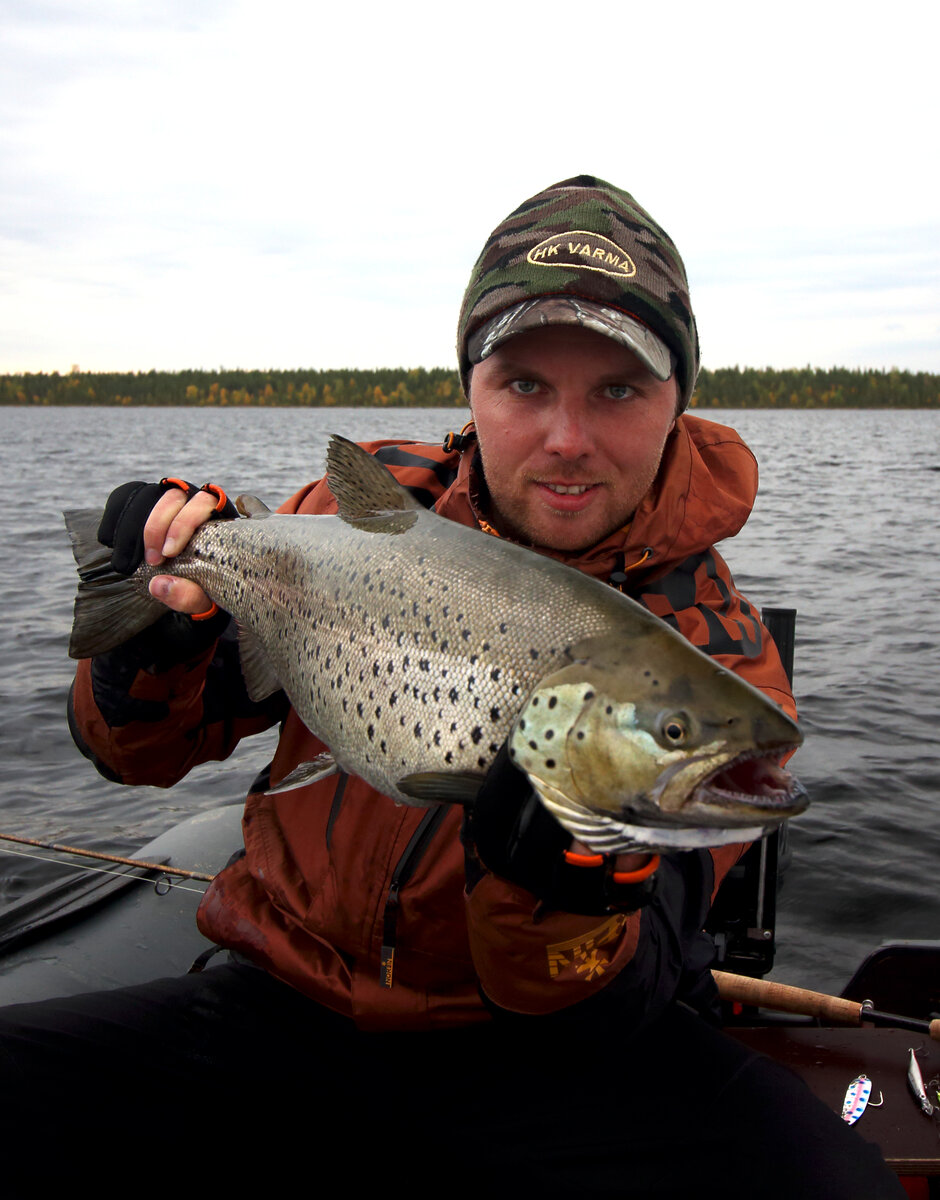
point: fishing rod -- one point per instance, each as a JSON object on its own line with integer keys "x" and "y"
{"x": 781, "y": 997}
{"x": 743, "y": 989}
{"x": 113, "y": 858}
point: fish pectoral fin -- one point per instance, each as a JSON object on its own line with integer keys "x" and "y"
{"x": 261, "y": 680}
{"x": 366, "y": 490}
{"x": 251, "y": 506}
{"x": 322, "y": 767}
{"x": 442, "y": 787}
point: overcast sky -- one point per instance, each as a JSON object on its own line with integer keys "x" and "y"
{"x": 205, "y": 183}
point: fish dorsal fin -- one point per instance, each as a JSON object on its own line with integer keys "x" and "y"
{"x": 367, "y": 494}
{"x": 251, "y": 506}
{"x": 260, "y": 677}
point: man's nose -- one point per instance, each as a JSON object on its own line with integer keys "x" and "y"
{"x": 569, "y": 433}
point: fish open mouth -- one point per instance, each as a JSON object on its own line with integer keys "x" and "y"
{"x": 754, "y": 782}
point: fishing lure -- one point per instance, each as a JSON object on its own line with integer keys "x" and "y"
{"x": 916, "y": 1083}
{"x": 857, "y": 1095}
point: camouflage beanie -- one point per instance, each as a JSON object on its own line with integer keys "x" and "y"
{"x": 593, "y": 247}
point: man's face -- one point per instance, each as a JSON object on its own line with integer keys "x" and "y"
{"x": 571, "y": 428}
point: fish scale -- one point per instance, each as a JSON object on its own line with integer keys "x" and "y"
{"x": 409, "y": 681}
{"x": 409, "y": 645}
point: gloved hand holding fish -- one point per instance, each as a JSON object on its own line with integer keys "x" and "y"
{"x": 414, "y": 647}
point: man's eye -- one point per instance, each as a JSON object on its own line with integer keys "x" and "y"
{"x": 618, "y": 391}
{"x": 525, "y": 387}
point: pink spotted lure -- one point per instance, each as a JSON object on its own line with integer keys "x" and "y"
{"x": 857, "y": 1095}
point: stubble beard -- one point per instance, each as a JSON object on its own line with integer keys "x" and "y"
{"x": 514, "y": 520}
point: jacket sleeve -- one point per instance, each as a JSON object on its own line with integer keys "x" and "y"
{"x": 538, "y": 963}
{"x": 169, "y": 699}
{"x": 173, "y": 697}
{"x": 149, "y": 711}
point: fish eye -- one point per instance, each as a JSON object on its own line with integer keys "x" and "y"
{"x": 674, "y": 729}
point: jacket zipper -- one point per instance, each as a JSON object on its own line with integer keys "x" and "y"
{"x": 404, "y": 869}
{"x": 335, "y": 805}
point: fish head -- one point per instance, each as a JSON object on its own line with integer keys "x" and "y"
{"x": 657, "y": 738}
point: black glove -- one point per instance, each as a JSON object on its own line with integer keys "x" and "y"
{"x": 515, "y": 836}
{"x": 127, "y": 510}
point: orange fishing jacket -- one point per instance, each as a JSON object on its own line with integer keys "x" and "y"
{"x": 362, "y": 904}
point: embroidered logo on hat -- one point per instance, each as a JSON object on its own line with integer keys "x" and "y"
{"x": 582, "y": 250}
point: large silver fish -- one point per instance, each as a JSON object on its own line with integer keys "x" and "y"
{"x": 413, "y": 647}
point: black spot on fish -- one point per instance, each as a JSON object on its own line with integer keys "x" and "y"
{"x": 495, "y": 674}
{"x": 552, "y": 701}
{"x": 494, "y": 714}
{"x": 549, "y": 734}
{"x": 550, "y": 763}
{"x": 476, "y": 735}
{"x": 589, "y": 695}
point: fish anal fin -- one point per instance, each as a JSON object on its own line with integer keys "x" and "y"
{"x": 441, "y": 787}
{"x": 261, "y": 680}
{"x": 322, "y": 767}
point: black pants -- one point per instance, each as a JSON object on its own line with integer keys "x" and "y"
{"x": 229, "y": 1080}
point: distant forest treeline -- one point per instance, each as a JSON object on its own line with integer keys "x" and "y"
{"x": 729, "y": 387}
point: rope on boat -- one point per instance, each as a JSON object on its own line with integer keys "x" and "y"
{"x": 114, "y": 858}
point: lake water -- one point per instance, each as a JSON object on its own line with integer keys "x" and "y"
{"x": 845, "y": 530}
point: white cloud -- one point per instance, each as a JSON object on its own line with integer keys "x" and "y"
{"x": 189, "y": 184}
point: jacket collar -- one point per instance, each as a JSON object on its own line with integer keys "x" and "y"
{"x": 704, "y": 492}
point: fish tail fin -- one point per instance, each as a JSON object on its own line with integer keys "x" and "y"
{"x": 110, "y": 608}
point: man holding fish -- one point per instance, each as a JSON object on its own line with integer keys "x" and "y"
{"x": 469, "y": 912}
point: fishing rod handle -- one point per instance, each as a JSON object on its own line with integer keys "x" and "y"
{"x": 782, "y": 997}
